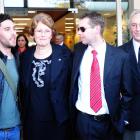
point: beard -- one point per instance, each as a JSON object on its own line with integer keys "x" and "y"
{"x": 8, "y": 44}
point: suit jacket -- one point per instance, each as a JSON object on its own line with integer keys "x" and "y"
{"x": 116, "y": 80}
{"x": 65, "y": 47}
{"x": 135, "y": 113}
{"x": 59, "y": 82}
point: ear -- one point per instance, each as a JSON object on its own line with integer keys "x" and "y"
{"x": 98, "y": 29}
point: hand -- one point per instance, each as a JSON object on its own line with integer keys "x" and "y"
{"x": 126, "y": 122}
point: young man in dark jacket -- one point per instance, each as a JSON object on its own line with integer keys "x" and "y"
{"x": 9, "y": 113}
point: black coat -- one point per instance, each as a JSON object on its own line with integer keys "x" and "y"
{"x": 135, "y": 112}
{"x": 59, "y": 82}
{"x": 117, "y": 78}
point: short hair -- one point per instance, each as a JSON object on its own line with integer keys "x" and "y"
{"x": 60, "y": 35}
{"x": 135, "y": 12}
{"x": 44, "y": 18}
{"x": 4, "y": 17}
{"x": 95, "y": 19}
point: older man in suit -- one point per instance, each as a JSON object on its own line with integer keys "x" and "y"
{"x": 59, "y": 40}
{"x": 100, "y": 73}
{"x": 133, "y": 49}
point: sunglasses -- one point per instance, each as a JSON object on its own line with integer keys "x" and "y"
{"x": 82, "y": 29}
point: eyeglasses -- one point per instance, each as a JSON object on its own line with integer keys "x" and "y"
{"x": 82, "y": 29}
{"x": 41, "y": 31}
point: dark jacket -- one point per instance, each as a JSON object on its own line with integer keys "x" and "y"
{"x": 135, "y": 113}
{"x": 59, "y": 85}
{"x": 116, "y": 79}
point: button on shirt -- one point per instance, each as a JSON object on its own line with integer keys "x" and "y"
{"x": 83, "y": 101}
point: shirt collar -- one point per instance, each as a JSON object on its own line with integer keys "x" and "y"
{"x": 61, "y": 44}
{"x": 136, "y": 44}
{"x": 100, "y": 49}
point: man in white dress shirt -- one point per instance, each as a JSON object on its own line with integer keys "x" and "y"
{"x": 107, "y": 120}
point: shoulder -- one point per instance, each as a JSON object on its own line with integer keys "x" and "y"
{"x": 29, "y": 51}
{"x": 79, "y": 46}
{"x": 66, "y": 47}
{"x": 118, "y": 51}
{"x": 61, "y": 50}
{"x": 126, "y": 46}
{"x": 25, "y": 56}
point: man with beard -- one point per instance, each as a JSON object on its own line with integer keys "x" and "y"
{"x": 9, "y": 113}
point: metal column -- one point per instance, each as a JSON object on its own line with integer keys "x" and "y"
{"x": 1, "y": 6}
{"x": 119, "y": 11}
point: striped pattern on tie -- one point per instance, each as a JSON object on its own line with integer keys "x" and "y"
{"x": 95, "y": 85}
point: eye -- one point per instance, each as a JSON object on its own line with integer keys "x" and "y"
{"x": 7, "y": 29}
{"x": 43, "y": 31}
{"x": 134, "y": 25}
{"x": 39, "y": 31}
{"x": 47, "y": 31}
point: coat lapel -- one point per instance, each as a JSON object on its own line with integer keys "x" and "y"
{"x": 78, "y": 58}
{"x": 132, "y": 58}
{"x": 109, "y": 61}
{"x": 28, "y": 64}
{"x": 57, "y": 60}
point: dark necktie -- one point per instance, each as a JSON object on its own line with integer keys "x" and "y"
{"x": 95, "y": 85}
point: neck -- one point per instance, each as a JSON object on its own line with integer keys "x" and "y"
{"x": 6, "y": 51}
{"x": 21, "y": 49}
{"x": 43, "y": 52}
{"x": 97, "y": 43}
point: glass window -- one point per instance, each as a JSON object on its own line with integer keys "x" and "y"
{"x": 49, "y": 3}
{"x": 13, "y": 3}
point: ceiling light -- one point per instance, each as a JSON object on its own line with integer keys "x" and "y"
{"x": 69, "y": 27}
{"x": 69, "y": 23}
{"x": 31, "y": 12}
{"x": 15, "y": 19}
{"x": 19, "y": 31}
{"x": 69, "y": 18}
{"x": 18, "y": 24}
{"x": 17, "y": 28}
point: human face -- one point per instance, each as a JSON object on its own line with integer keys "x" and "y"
{"x": 7, "y": 34}
{"x": 58, "y": 40}
{"x": 135, "y": 27}
{"x": 42, "y": 35}
{"x": 86, "y": 33}
{"x": 21, "y": 42}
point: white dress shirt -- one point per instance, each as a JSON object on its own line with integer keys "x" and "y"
{"x": 136, "y": 48}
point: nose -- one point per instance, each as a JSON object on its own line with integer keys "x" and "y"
{"x": 43, "y": 32}
{"x": 138, "y": 27}
{"x": 79, "y": 32}
{"x": 13, "y": 31}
